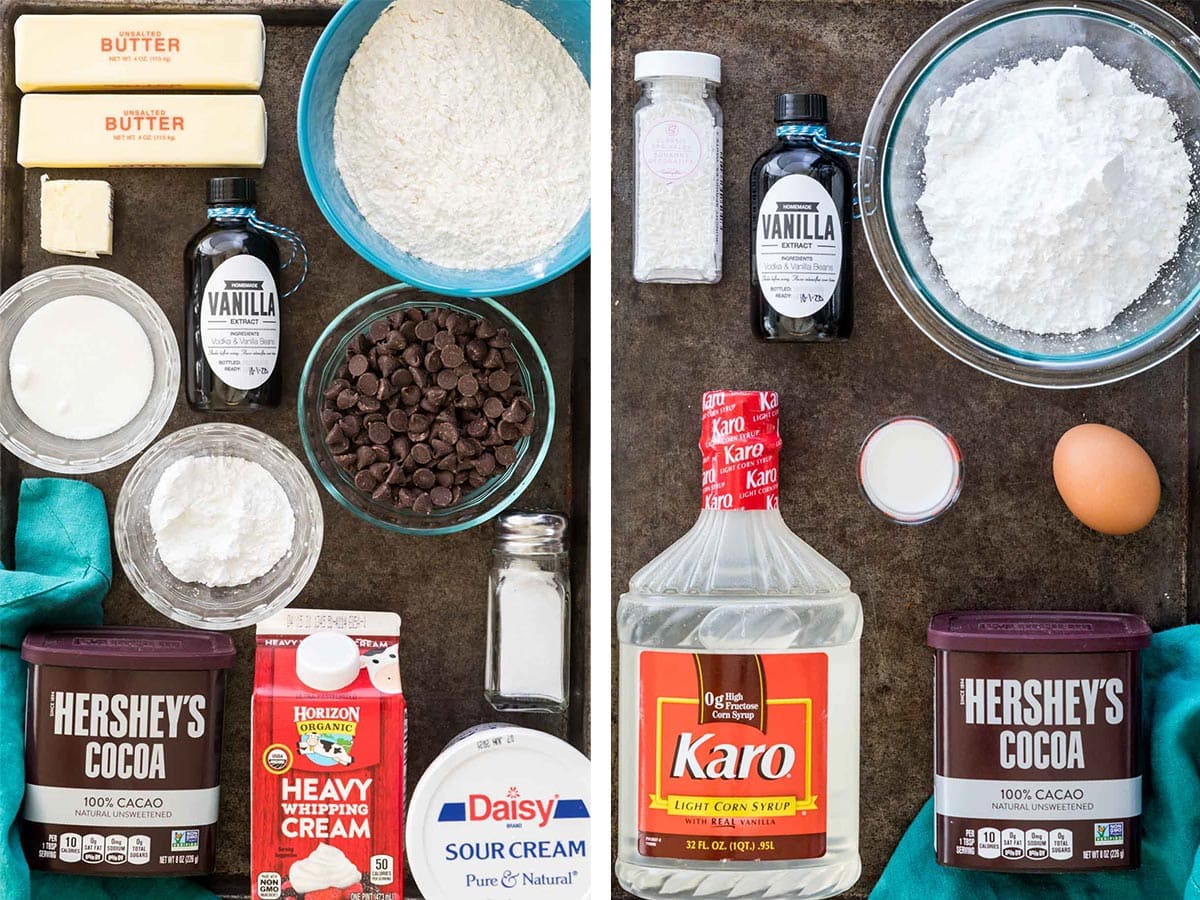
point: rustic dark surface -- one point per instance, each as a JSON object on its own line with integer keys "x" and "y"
{"x": 437, "y": 584}
{"x": 1008, "y": 543}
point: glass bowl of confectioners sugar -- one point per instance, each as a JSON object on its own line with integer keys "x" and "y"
{"x": 89, "y": 369}
{"x": 431, "y": 174}
{"x": 173, "y": 494}
{"x": 972, "y": 43}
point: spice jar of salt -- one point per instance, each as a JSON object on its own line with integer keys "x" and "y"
{"x": 677, "y": 126}
{"x": 528, "y": 614}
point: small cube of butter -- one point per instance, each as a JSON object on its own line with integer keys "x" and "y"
{"x": 77, "y": 217}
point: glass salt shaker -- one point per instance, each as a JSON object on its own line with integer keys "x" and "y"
{"x": 529, "y": 599}
{"x": 678, "y": 127}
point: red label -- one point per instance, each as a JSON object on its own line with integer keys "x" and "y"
{"x": 739, "y": 435}
{"x": 327, "y": 783}
{"x": 732, "y": 755}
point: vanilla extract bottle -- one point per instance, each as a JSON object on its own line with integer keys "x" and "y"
{"x": 231, "y": 319}
{"x": 800, "y": 254}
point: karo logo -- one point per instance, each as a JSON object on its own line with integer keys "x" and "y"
{"x": 1109, "y": 833}
{"x": 512, "y": 809}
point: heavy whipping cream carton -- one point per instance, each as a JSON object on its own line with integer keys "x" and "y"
{"x": 502, "y": 814}
{"x": 327, "y": 757}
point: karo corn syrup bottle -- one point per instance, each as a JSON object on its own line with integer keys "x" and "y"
{"x": 739, "y": 691}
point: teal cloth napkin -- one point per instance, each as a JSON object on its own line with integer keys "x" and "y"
{"x": 62, "y": 570}
{"x": 1170, "y": 807}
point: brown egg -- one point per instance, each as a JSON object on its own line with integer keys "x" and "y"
{"x": 1106, "y": 479}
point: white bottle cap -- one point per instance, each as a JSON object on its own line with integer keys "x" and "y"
{"x": 677, "y": 63}
{"x": 327, "y": 661}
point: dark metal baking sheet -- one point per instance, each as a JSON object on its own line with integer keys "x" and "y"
{"x": 1009, "y": 541}
{"x": 437, "y": 584}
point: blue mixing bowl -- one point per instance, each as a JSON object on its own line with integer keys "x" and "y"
{"x": 567, "y": 20}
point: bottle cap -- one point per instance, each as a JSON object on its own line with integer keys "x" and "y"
{"x": 531, "y": 531}
{"x": 802, "y": 108}
{"x": 327, "y": 661}
{"x": 235, "y": 190}
{"x": 676, "y": 63}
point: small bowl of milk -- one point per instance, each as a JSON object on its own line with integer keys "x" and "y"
{"x": 92, "y": 369}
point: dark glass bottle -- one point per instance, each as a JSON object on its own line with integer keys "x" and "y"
{"x": 231, "y": 331}
{"x": 800, "y": 254}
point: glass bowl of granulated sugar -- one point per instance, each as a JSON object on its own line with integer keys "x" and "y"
{"x": 218, "y": 525}
{"x": 1028, "y": 188}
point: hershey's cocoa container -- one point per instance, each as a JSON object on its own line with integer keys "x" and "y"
{"x": 1037, "y": 751}
{"x": 122, "y": 750}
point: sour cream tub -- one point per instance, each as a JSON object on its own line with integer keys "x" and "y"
{"x": 502, "y": 814}
{"x": 1037, "y": 748}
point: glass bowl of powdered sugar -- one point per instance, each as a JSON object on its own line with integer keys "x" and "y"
{"x": 1027, "y": 188}
{"x": 218, "y": 525}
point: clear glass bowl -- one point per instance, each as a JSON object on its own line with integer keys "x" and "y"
{"x": 197, "y": 605}
{"x": 1164, "y": 57}
{"x": 39, "y": 447}
{"x": 476, "y": 506}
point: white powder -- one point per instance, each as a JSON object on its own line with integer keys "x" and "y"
{"x": 220, "y": 521}
{"x": 677, "y": 220}
{"x": 462, "y": 133}
{"x": 1054, "y": 192}
{"x": 531, "y": 632}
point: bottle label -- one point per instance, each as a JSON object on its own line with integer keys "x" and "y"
{"x": 732, "y": 755}
{"x": 740, "y": 441}
{"x": 798, "y": 246}
{"x": 239, "y": 322}
{"x": 672, "y": 150}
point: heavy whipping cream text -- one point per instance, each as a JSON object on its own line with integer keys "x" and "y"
{"x": 328, "y": 744}
{"x": 1045, "y": 709}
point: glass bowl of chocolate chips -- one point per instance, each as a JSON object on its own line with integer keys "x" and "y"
{"x": 425, "y": 414}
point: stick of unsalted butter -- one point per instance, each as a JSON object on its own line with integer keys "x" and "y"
{"x": 95, "y": 131}
{"x": 123, "y": 52}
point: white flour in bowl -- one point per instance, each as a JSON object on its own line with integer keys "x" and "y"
{"x": 461, "y": 132}
{"x": 1054, "y": 192}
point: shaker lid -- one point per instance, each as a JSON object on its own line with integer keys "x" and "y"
{"x": 114, "y": 647}
{"x": 531, "y": 531}
{"x": 677, "y": 63}
{"x": 984, "y": 631}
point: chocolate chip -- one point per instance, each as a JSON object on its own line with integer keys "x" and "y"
{"x": 411, "y": 395}
{"x": 346, "y": 399}
{"x": 493, "y": 407}
{"x": 364, "y": 481}
{"x": 397, "y": 420}
{"x": 498, "y": 381}
{"x": 443, "y": 339}
{"x": 347, "y": 461}
{"x": 426, "y": 330}
{"x": 379, "y": 471}
{"x": 440, "y": 497}
{"x": 477, "y": 351}
{"x": 506, "y": 455}
{"x": 379, "y": 330}
{"x": 336, "y": 387}
{"x": 422, "y": 453}
{"x": 379, "y": 432}
{"x": 447, "y": 380}
{"x": 358, "y": 365}
{"x": 424, "y": 479}
{"x": 419, "y": 422}
{"x": 452, "y": 356}
{"x": 382, "y": 492}
{"x": 369, "y": 404}
{"x": 477, "y": 428}
{"x": 422, "y": 505}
